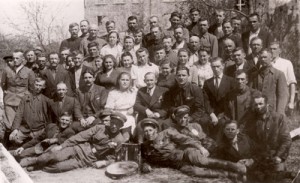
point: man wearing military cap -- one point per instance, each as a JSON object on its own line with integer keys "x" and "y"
{"x": 84, "y": 149}
{"x": 94, "y": 53}
{"x": 176, "y": 150}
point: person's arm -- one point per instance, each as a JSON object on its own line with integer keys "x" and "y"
{"x": 103, "y": 99}
{"x": 77, "y": 110}
{"x": 292, "y": 91}
{"x": 19, "y": 115}
{"x": 281, "y": 93}
{"x": 284, "y": 139}
{"x": 138, "y": 106}
{"x": 214, "y": 46}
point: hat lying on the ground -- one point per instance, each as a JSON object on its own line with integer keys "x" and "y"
{"x": 121, "y": 169}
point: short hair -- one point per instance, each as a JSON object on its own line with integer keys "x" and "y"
{"x": 18, "y": 50}
{"x": 168, "y": 37}
{"x": 132, "y": 18}
{"x": 275, "y": 43}
{"x": 229, "y": 121}
{"x": 142, "y": 49}
{"x": 238, "y": 49}
{"x": 111, "y": 57}
{"x": 179, "y": 26}
{"x": 64, "y": 49}
{"x": 265, "y": 50}
{"x": 41, "y": 55}
{"x": 239, "y": 72}
{"x": 40, "y": 79}
{"x": 129, "y": 37}
{"x": 119, "y": 77}
{"x": 148, "y": 73}
{"x": 227, "y": 21}
{"x": 76, "y": 52}
{"x": 236, "y": 18}
{"x": 183, "y": 50}
{"x": 194, "y": 9}
{"x": 27, "y": 51}
{"x": 126, "y": 54}
{"x": 216, "y": 59}
{"x": 62, "y": 83}
{"x": 158, "y": 47}
{"x": 183, "y": 68}
{"x": 204, "y": 50}
{"x": 156, "y": 26}
{"x": 258, "y": 94}
{"x": 139, "y": 30}
{"x": 219, "y": 11}
{"x": 67, "y": 114}
{"x": 202, "y": 19}
{"x": 254, "y": 39}
{"x": 154, "y": 16}
{"x": 110, "y": 22}
{"x": 90, "y": 71}
{"x": 84, "y": 20}
{"x": 255, "y": 14}
{"x": 93, "y": 44}
{"x": 53, "y": 53}
{"x": 114, "y": 31}
{"x": 74, "y": 24}
{"x": 176, "y": 14}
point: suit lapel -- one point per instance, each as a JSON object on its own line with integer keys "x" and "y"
{"x": 155, "y": 96}
{"x": 222, "y": 86}
{"x": 212, "y": 87}
{"x": 145, "y": 95}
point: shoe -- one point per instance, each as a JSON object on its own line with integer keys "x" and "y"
{"x": 28, "y": 161}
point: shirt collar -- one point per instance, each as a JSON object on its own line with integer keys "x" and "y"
{"x": 19, "y": 68}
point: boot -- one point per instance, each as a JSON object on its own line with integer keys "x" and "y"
{"x": 226, "y": 165}
{"x": 28, "y": 161}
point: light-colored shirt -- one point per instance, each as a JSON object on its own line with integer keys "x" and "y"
{"x": 150, "y": 91}
{"x": 142, "y": 70}
{"x": 19, "y": 68}
{"x": 194, "y": 58}
{"x": 77, "y": 76}
{"x": 251, "y": 36}
{"x": 116, "y": 51}
{"x": 204, "y": 72}
{"x": 287, "y": 68}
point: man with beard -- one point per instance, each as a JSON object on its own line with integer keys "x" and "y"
{"x": 73, "y": 42}
{"x": 270, "y": 131}
{"x": 84, "y": 149}
{"x": 173, "y": 149}
{"x": 271, "y": 82}
{"x": 54, "y": 74}
{"x": 179, "y": 39}
{"x": 84, "y": 28}
{"x": 94, "y": 53}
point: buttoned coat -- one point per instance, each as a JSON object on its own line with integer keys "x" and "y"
{"x": 72, "y": 78}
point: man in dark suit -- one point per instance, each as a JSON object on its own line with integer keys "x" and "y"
{"x": 179, "y": 39}
{"x": 62, "y": 103}
{"x": 194, "y": 16}
{"x": 255, "y": 31}
{"x": 238, "y": 56}
{"x": 53, "y": 75}
{"x": 148, "y": 102}
{"x": 216, "y": 89}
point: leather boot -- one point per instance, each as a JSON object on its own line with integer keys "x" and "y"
{"x": 226, "y": 165}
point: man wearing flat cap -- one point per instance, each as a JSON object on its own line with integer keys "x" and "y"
{"x": 94, "y": 53}
{"x": 84, "y": 149}
{"x": 176, "y": 150}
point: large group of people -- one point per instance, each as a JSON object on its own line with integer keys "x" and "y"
{"x": 207, "y": 100}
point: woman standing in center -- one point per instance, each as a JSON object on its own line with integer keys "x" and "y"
{"x": 122, "y": 99}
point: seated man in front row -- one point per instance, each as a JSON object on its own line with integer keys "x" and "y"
{"x": 173, "y": 149}
{"x": 99, "y": 142}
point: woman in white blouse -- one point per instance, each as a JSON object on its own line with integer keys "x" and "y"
{"x": 122, "y": 99}
{"x": 126, "y": 65}
{"x": 113, "y": 46}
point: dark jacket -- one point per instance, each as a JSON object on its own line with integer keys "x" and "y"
{"x": 263, "y": 34}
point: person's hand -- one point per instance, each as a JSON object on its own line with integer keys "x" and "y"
{"x": 12, "y": 136}
{"x": 112, "y": 145}
{"x": 130, "y": 111}
{"x": 276, "y": 160}
{"x": 56, "y": 148}
{"x": 90, "y": 120}
{"x": 149, "y": 113}
{"x": 156, "y": 115}
{"x": 83, "y": 122}
{"x": 19, "y": 151}
{"x": 204, "y": 152}
{"x": 214, "y": 119}
{"x": 99, "y": 164}
{"x": 291, "y": 105}
{"x": 146, "y": 168}
{"x": 246, "y": 162}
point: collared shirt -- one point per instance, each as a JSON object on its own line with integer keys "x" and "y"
{"x": 142, "y": 70}
{"x": 219, "y": 80}
{"x": 137, "y": 46}
{"x": 251, "y": 36}
{"x": 150, "y": 91}
{"x": 204, "y": 72}
{"x": 240, "y": 67}
{"x": 180, "y": 45}
{"x": 77, "y": 76}
{"x": 287, "y": 68}
{"x": 194, "y": 58}
{"x": 109, "y": 73}
{"x": 19, "y": 68}
{"x": 235, "y": 144}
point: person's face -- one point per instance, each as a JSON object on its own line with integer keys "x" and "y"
{"x": 194, "y": 43}
{"x": 238, "y": 57}
{"x": 150, "y": 80}
{"x": 142, "y": 58}
{"x": 39, "y": 86}
{"x": 88, "y": 79}
{"x": 93, "y": 51}
{"x": 127, "y": 61}
{"x": 114, "y": 126}
{"x": 42, "y": 62}
{"x": 256, "y": 46}
{"x": 217, "y": 68}
{"x": 30, "y": 57}
{"x": 78, "y": 59}
{"x": 241, "y": 80}
{"x": 160, "y": 55}
{"x": 110, "y": 27}
{"x": 220, "y": 17}
{"x": 275, "y": 50}
{"x": 138, "y": 37}
{"x": 18, "y": 58}
{"x": 227, "y": 28}
{"x": 182, "y": 120}
{"x": 260, "y": 106}
{"x": 175, "y": 21}
{"x": 182, "y": 77}
{"x": 64, "y": 54}
{"x": 10, "y": 63}
{"x": 61, "y": 90}
{"x": 166, "y": 69}
{"x": 150, "y": 133}
{"x": 93, "y": 30}
{"x": 236, "y": 24}
{"x": 70, "y": 62}
{"x": 128, "y": 44}
{"x": 106, "y": 120}
{"x": 98, "y": 63}
{"x": 156, "y": 33}
{"x": 203, "y": 26}
{"x": 74, "y": 31}
{"x": 178, "y": 34}
{"x": 112, "y": 39}
{"x": 203, "y": 57}
{"x": 230, "y": 131}
{"x": 65, "y": 121}
{"x": 265, "y": 59}
{"x": 54, "y": 59}
{"x": 167, "y": 44}
{"x": 132, "y": 24}
{"x": 84, "y": 27}
{"x": 124, "y": 82}
{"x": 229, "y": 46}
{"x": 253, "y": 23}
{"x": 108, "y": 64}
{"x": 183, "y": 57}
{"x": 195, "y": 16}
{"x": 153, "y": 22}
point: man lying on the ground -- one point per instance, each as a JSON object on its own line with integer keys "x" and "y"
{"x": 172, "y": 149}
{"x": 99, "y": 142}
{"x": 54, "y": 134}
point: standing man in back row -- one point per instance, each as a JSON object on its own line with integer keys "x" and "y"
{"x": 73, "y": 42}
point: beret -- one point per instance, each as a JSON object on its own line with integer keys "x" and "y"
{"x": 182, "y": 110}
{"x": 149, "y": 121}
{"x": 117, "y": 115}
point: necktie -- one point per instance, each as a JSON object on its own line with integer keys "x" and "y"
{"x": 217, "y": 82}
{"x": 149, "y": 91}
